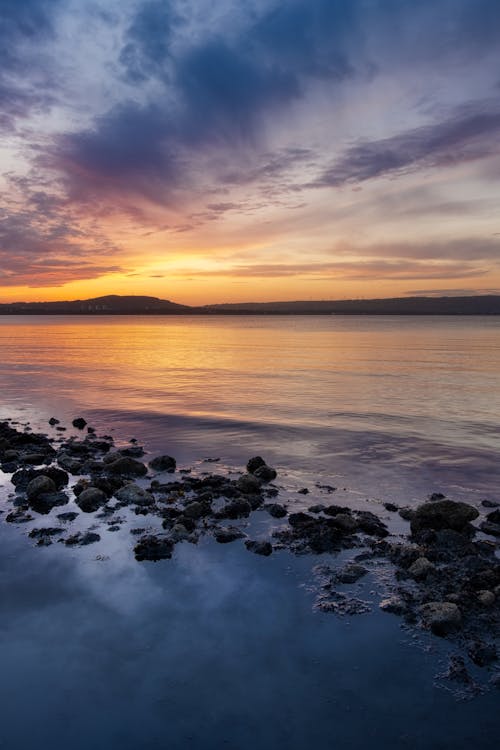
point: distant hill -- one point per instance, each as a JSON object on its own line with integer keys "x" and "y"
{"x": 136, "y": 305}
{"x": 111, "y": 304}
{"x": 480, "y": 305}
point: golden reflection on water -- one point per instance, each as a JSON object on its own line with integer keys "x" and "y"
{"x": 317, "y": 370}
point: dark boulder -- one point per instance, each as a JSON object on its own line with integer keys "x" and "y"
{"x": 163, "y": 463}
{"x": 91, "y": 499}
{"x": 442, "y": 514}
{"x": 276, "y": 510}
{"x": 79, "y": 423}
{"x": 265, "y": 473}
{"x": 255, "y": 463}
{"x": 127, "y": 467}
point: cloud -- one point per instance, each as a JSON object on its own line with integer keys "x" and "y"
{"x": 147, "y": 41}
{"x": 473, "y": 132}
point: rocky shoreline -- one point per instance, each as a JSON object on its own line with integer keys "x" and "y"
{"x": 445, "y": 571}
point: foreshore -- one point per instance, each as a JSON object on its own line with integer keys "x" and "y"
{"x": 66, "y": 486}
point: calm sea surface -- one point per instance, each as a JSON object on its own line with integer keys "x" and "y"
{"x": 219, "y": 648}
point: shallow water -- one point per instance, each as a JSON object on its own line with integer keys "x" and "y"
{"x": 219, "y": 647}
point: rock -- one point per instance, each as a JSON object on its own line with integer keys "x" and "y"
{"x": 20, "y": 515}
{"x": 489, "y": 504}
{"x": 127, "y": 467}
{"x": 260, "y": 548}
{"x": 406, "y": 513}
{"x": 135, "y": 451}
{"x": 79, "y": 423}
{"x": 44, "y": 502}
{"x": 238, "y": 508}
{"x": 44, "y": 534}
{"x": 394, "y": 604}
{"x": 441, "y": 617}
{"x": 153, "y": 548}
{"x": 319, "y": 508}
{"x": 303, "y": 491}
{"x": 23, "y": 477}
{"x": 345, "y": 522}
{"x": 370, "y": 524}
{"x": 67, "y": 517}
{"x": 81, "y": 540}
{"x": 69, "y": 463}
{"x": 255, "y": 463}
{"x": 391, "y": 507}
{"x": 494, "y": 516}
{"x": 492, "y": 529}
{"x": 91, "y": 499}
{"x": 248, "y": 484}
{"x": 482, "y": 653}
{"x": 34, "y": 459}
{"x": 436, "y": 496}
{"x": 421, "y": 568}
{"x": 53, "y": 421}
{"x": 457, "y": 671}
{"x": 486, "y": 598}
{"x": 443, "y": 514}
{"x": 350, "y": 573}
{"x": 228, "y": 534}
{"x": 132, "y": 494}
{"x": 195, "y": 510}
{"x": 163, "y": 463}
{"x": 265, "y": 473}
{"x": 40, "y": 485}
{"x": 276, "y": 510}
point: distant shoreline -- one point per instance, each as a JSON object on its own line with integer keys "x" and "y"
{"x": 482, "y": 305}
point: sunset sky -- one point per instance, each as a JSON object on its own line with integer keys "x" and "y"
{"x": 223, "y": 150}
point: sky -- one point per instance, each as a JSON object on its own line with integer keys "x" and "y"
{"x": 219, "y": 150}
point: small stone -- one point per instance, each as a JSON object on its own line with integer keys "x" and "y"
{"x": 226, "y": 535}
{"x": 406, "y": 513}
{"x": 482, "y": 653}
{"x": 391, "y": 507}
{"x": 394, "y": 604}
{"x": 276, "y": 510}
{"x": 79, "y": 423}
{"x": 351, "y": 573}
{"x": 260, "y": 548}
{"x": 82, "y": 540}
{"x": 486, "y": 598}
{"x": 153, "y": 548}
{"x": 53, "y": 421}
{"x": 436, "y": 496}
{"x": 255, "y": 463}
{"x": 421, "y": 568}
{"x": 303, "y": 491}
{"x": 494, "y": 516}
{"x": 248, "y": 484}
{"x": 265, "y": 473}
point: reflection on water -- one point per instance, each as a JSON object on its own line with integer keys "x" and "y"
{"x": 365, "y": 399}
{"x": 218, "y": 647}
{"x": 214, "y": 649}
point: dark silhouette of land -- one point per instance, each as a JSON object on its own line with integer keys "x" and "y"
{"x": 139, "y": 305}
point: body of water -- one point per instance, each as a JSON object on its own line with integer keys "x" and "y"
{"x": 219, "y": 648}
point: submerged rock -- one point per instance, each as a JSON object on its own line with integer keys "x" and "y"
{"x": 134, "y": 495}
{"x": 82, "y": 539}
